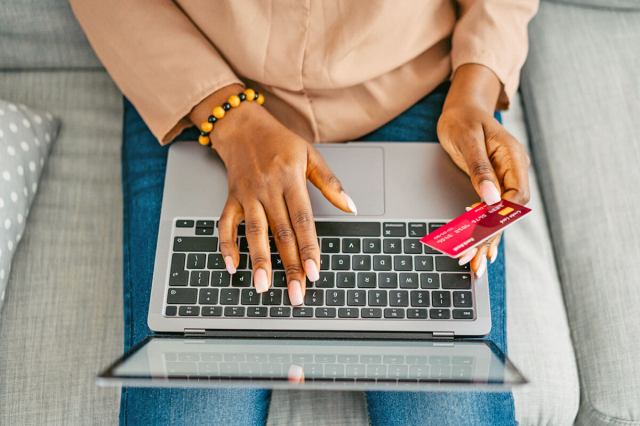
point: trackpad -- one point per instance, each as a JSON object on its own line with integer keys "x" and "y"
{"x": 361, "y": 171}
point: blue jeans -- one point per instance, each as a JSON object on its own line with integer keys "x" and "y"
{"x": 143, "y": 169}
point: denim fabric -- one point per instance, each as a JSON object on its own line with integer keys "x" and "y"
{"x": 143, "y": 169}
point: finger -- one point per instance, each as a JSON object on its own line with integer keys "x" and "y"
{"x": 299, "y": 206}
{"x": 295, "y": 374}
{"x": 323, "y": 178}
{"x": 466, "y": 256}
{"x": 257, "y": 233}
{"x": 493, "y": 248}
{"x": 479, "y": 262}
{"x": 512, "y": 168}
{"x": 285, "y": 239}
{"x": 228, "y": 234}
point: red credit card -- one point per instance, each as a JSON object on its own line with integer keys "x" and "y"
{"x": 473, "y": 227}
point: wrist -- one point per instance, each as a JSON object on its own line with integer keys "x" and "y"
{"x": 475, "y": 86}
{"x": 201, "y": 112}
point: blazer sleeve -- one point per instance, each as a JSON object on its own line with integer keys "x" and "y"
{"x": 157, "y": 57}
{"x": 493, "y": 33}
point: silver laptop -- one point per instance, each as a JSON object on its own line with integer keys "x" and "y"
{"x": 386, "y": 313}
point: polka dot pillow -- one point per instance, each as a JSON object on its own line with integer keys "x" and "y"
{"x": 25, "y": 138}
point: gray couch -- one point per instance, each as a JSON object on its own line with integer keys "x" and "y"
{"x": 572, "y": 272}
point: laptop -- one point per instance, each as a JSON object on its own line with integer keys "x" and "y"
{"x": 387, "y": 313}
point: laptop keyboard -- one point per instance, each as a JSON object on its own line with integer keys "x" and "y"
{"x": 369, "y": 271}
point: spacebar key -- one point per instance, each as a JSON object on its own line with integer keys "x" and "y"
{"x": 348, "y": 229}
{"x": 195, "y": 244}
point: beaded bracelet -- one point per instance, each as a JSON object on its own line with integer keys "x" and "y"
{"x": 219, "y": 112}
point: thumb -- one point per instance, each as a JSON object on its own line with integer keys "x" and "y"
{"x": 323, "y": 178}
{"x": 480, "y": 169}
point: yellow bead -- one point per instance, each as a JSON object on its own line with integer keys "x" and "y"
{"x": 260, "y": 99}
{"x": 203, "y": 140}
{"x": 206, "y": 127}
{"x": 234, "y": 101}
{"x": 218, "y": 112}
{"x": 250, "y": 94}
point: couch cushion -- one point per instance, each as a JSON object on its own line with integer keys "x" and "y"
{"x": 580, "y": 87}
{"x": 62, "y": 319}
{"x": 605, "y": 4}
{"x": 42, "y": 34}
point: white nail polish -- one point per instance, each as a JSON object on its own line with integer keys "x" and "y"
{"x": 481, "y": 268}
{"x": 228, "y": 263}
{"x": 467, "y": 256}
{"x": 489, "y": 192}
{"x": 311, "y": 270}
{"x": 493, "y": 254}
{"x": 350, "y": 203}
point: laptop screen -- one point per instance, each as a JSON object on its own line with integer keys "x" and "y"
{"x": 321, "y": 364}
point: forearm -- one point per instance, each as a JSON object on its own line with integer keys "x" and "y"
{"x": 474, "y": 85}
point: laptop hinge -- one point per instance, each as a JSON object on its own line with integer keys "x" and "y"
{"x": 444, "y": 335}
{"x": 194, "y": 331}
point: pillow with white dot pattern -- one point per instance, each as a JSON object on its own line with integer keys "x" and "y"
{"x": 25, "y": 138}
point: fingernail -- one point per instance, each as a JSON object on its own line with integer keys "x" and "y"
{"x": 482, "y": 267}
{"x": 489, "y": 192}
{"x": 260, "y": 280}
{"x": 295, "y": 374}
{"x": 228, "y": 262}
{"x": 493, "y": 253}
{"x": 466, "y": 258}
{"x": 350, "y": 203}
{"x": 311, "y": 270}
{"x": 295, "y": 293}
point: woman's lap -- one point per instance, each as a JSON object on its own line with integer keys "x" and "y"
{"x": 143, "y": 168}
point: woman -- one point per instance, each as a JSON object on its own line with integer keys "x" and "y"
{"x": 331, "y": 71}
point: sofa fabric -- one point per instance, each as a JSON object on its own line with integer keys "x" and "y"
{"x": 586, "y": 145}
{"x": 62, "y": 319}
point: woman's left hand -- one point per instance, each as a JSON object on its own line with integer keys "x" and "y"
{"x": 478, "y": 144}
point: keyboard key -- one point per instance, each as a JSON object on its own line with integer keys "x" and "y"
{"x": 325, "y": 262}
{"x": 340, "y": 262}
{"x": 177, "y": 262}
{"x": 348, "y": 313}
{"x": 435, "y": 225}
{"x": 408, "y": 280}
{"x": 399, "y": 298}
{"x": 429, "y": 280}
{"x": 402, "y": 263}
{"x": 249, "y": 296}
{"x": 428, "y": 250}
{"x": 351, "y": 245}
{"x": 234, "y": 311}
{"x": 334, "y": 298}
{"x": 372, "y": 245}
{"x": 412, "y": 246}
{"x": 448, "y": 264}
{"x": 241, "y": 279}
{"x": 196, "y": 260}
{"x": 204, "y": 231}
{"x": 229, "y": 296}
{"x": 417, "y": 229}
{"x": 197, "y": 244}
{"x": 420, "y": 298}
{"x": 392, "y": 245}
{"x": 462, "y": 299}
{"x": 439, "y": 313}
{"x": 424, "y": 263}
{"x": 276, "y": 262}
{"x": 377, "y": 298}
{"x": 393, "y": 313}
{"x": 388, "y": 280}
{"x": 303, "y": 312}
{"x": 272, "y": 297}
{"x": 205, "y": 223}
{"x": 348, "y": 229}
{"x": 330, "y": 245}
{"x": 179, "y": 278}
{"x": 413, "y": 313}
{"x": 220, "y": 279}
{"x": 367, "y": 280}
{"x": 171, "y": 311}
{"x": 325, "y": 312}
{"x": 211, "y": 311}
{"x": 456, "y": 281}
{"x": 394, "y": 229}
{"x": 381, "y": 263}
{"x": 215, "y": 261}
{"x": 371, "y": 313}
{"x": 326, "y": 280}
{"x": 314, "y": 297}
{"x": 257, "y": 311}
{"x": 279, "y": 279}
{"x": 440, "y": 299}
{"x": 208, "y": 296}
{"x": 244, "y": 245}
{"x": 280, "y": 312}
{"x": 182, "y": 296}
{"x": 199, "y": 279}
{"x": 243, "y": 262}
{"x": 356, "y": 297}
{"x": 346, "y": 280}
{"x": 189, "y": 311}
{"x": 361, "y": 262}
{"x": 463, "y": 314}
{"x": 184, "y": 223}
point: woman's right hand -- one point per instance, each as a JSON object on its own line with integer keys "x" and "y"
{"x": 267, "y": 168}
